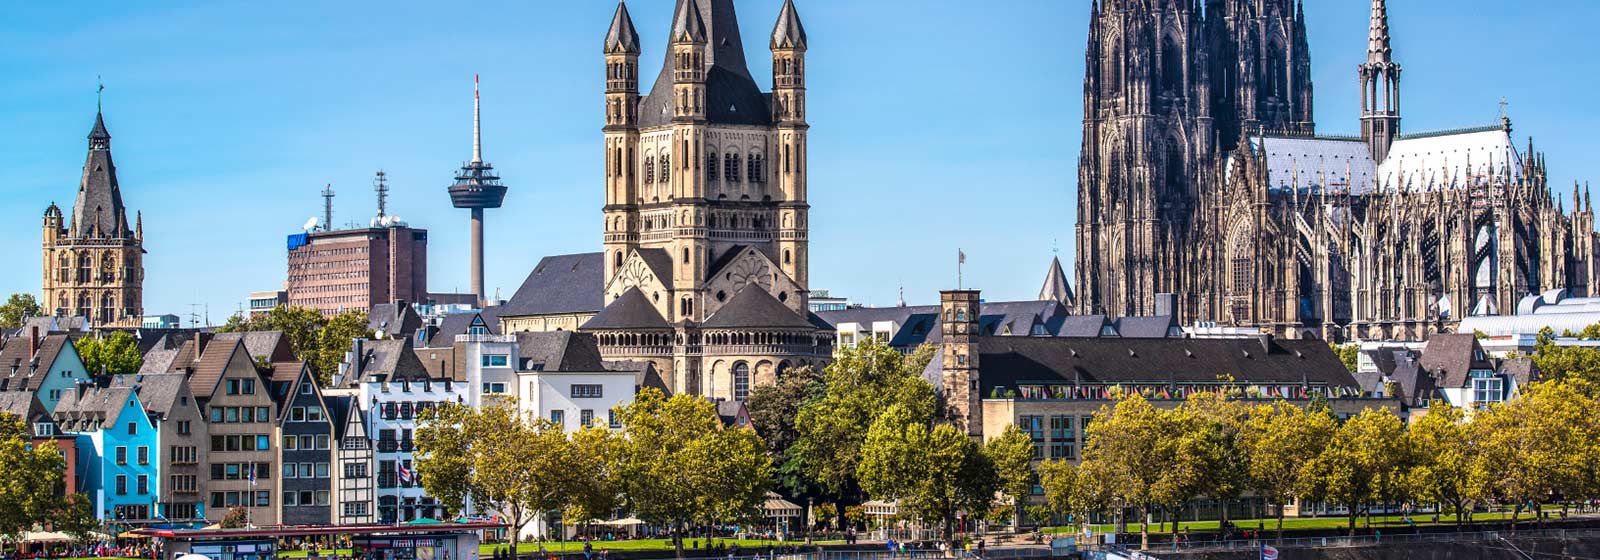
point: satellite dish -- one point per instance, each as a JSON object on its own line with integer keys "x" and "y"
{"x": 311, "y": 224}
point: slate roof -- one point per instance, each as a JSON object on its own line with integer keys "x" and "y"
{"x": 456, "y": 324}
{"x": 732, "y": 96}
{"x": 159, "y": 391}
{"x": 561, "y": 284}
{"x": 1009, "y": 361}
{"x": 1417, "y": 386}
{"x": 788, "y": 33}
{"x": 90, "y": 407}
{"x": 271, "y": 346}
{"x": 338, "y": 412}
{"x": 1055, "y": 286}
{"x": 24, "y": 405}
{"x": 1316, "y": 163}
{"x": 1451, "y": 357}
{"x": 622, "y": 37}
{"x": 660, "y": 263}
{"x": 753, "y": 307}
{"x": 1521, "y": 369}
{"x": 214, "y": 360}
{"x": 920, "y": 324}
{"x": 645, "y": 374}
{"x": 559, "y": 351}
{"x": 98, "y": 211}
{"x": 17, "y": 364}
{"x": 394, "y": 319}
{"x": 631, "y": 311}
{"x": 384, "y": 360}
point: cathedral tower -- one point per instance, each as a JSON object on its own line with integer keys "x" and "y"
{"x": 1261, "y": 68}
{"x": 93, "y": 262}
{"x": 1380, "y": 87}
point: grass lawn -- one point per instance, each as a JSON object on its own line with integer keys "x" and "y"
{"x": 577, "y": 546}
{"x": 1292, "y": 523}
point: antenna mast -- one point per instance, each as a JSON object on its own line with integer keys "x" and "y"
{"x": 381, "y": 185}
{"x": 327, "y": 208}
{"x": 477, "y": 135}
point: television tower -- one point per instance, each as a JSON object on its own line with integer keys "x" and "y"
{"x": 477, "y": 188}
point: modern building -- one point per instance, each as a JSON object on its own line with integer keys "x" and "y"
{"x": 46, "y": 364}
{"x": 181, "y": 440}
{"x": 116, "y": 448}
{"x": 477, "y": 188}
{"x": 260, "y": 303}
{"x": 822, "y": 301}
{"x": 93, "y": 262}
{"x": 706, "y": 213}
{"x": 1204, "y": 117}
{"x": 992, "y": 382}
{"x": 160, "y": 322}
{"x": 561, "y": 377}
{"x": 305, "y": 451}
{"x": 344, "y": 270}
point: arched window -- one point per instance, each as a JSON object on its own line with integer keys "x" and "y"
{"x": 649, "y": 169}
{"x": 64, "y": 264}
{"x": 63, "y": 304}
{"x": 741, "y": 381}
{"x": 711, "y": 167}
{"x": 786, "y": 259}
{"x": 85, "y": 267}
{"x": 1111, "y": 73}
{"x": 731, "y": 167}
{"x": 84, "y": 305}
{"x": 1277, "y": 74}
{"x": 685, "y": 255}
{"x": 1175, "y": 166}
{"x": 666, "y": 168}
{"x": 1171, "y": 67}
{"x": 618, "y": 259}
{"x": 108, "y": 306}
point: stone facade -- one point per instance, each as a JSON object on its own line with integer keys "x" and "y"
{"x": 706, "y": 246}
{"x": 93, "y": 262}
{"x": 1202, "y": 175}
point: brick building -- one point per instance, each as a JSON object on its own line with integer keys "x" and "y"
{"x": 335, "y": 271}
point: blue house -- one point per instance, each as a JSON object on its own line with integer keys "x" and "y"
{"x": 45, "y": 364}
{"x": 117, "y": 451}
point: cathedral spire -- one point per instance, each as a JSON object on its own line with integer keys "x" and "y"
{"x": 1380, "y": 87}
{"x": 1378, "y": 43}
{"x": 622, "y": 38}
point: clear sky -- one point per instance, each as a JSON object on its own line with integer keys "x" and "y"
{"x": 936, "y": 124}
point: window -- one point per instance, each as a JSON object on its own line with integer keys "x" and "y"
{"x": 313, "y": 413}
{"x": 587, "y": 391}
{"x": 184, "y": 428}
{"x": 122, "y": 485}
{"x": 290, "y": 443}
{"x": 324, "y": 442}
{"x": 144, "y": 484}
{"x": 297, "y": 414}
{"x": 233, "y": 415}
{"x": 559, "y": 417}
{"x": 711, "y": 167}
{"x": 122, "y": 455}
{"x": 585, "y": 417}
{"x": 322, "y": 470}
{"x": 308, "y": 442}
{"x": 289, "y": 499}
{"x": 248, "y": 386}
{"x": 649, "y": 169}
{"x": 495, "y": 360}
{"x": 324, "y": 498}
{"x": 305, "y": 470}
{"x": 306, "y": 389}
{"x": 233, "y": 386}
{"x": 262, "y": 443}
{"x": 133, "y": 429}
{"x": 666, "y": 168}
{"x": 289, "y": 470}
{"x": 263, "y": 414}
{"x": 144, "y": 456}
{"x": 1487, "y": 390}
{"x": 494, "y": 388}
{"x": 741, "y": 381}
{"x": 613, "y": 420}
{"x": 216, "y": 415}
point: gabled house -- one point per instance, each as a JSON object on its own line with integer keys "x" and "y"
{"x": 306, "y": 435}
{"x": 1466, "y": 376}
{"x": 355, "y": 500}
{"x": 46, "y": 364}
{"x": 392, "y": 388}
{"x": 240, "y": 420}
{"x": 116, "y": 451}
{"x": 180, "y": 440}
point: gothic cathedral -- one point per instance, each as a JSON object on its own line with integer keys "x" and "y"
{"x": 93, "y": 262}
{"x": 1202, "y": 175}
{"x": 706, "y": 243}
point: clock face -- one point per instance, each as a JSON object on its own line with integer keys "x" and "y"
{"x": 750, "y": 270}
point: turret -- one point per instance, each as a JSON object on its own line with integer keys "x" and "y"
{"x": 622, "y": 70}
{"x": 789, "y": 67}
{"x": 689, "y": 63}
{"x": 960, "y": 312}
{"x": 789, "y": 44}
{"x": 1380, "y": 87}
{"x": 621, "y": 51}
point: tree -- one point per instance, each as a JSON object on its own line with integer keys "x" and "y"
{"x": 1210, "y": 438}
{"x": 115, "y": 354}
{"x": 1134, "y": 452}
{"x": 236, "y": 518}
{"x": 1364, "y": 462}
{"x": 1539, "y": 445}
{"x": 1447, "y": 469}
{"x": 597, "y": 453}
{"x": 863, "y": 382}
{"x": 333, "y": 341}
{"x": 521, "y": 467}
{"x": 1277, "y": 442}
{"x": 774, "y": 410}
{"x": 934, "y": 471}
{"x": 31, "y": 476}
{"x": 1068, "y": 492}
{"x": 444, "y": 455}
{"x": 1578, "y": 366}
{"x": 1349, "y": 355}
{"x": 17, "y": 309}
{"x": 1011, "y": 454}
{"x": 683, "y": 466}
{"x": 74, "y": 516}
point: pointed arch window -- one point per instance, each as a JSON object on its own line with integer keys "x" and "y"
{"x": 1171, "y": 67}
{"x": 712, "y": 163}
{"x": 85, "y": 267}
{"x": 1277, "y": 74}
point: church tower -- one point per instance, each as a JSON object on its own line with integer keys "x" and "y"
{"x": 1149, "y": 146}
{"x": 706, "y": 214}
{"x": 94, "y": 262}
{"x": 1262, "y": 68}
{"x": 1380, "y": 87}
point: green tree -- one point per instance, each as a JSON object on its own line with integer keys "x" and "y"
{"x": 444, "y": 455}
{"x": 1210, "y": 439}
{"x": 597, "y": 455}
{"x": 682, "y": 466}
{"x": 521, "y": 467}
{"x": 115, "y": 354}
{"x": 1538, "y": 445}
{"x": 74, "y": 516}
{"x": 236, "y": 518}
{"x": 1011, "y": 453}
{"x": 1349, "y": 355}
{"x": 318, "y": 340}
{"x": 31, "y": 476}
{"x": 1070, "y": 492}
{"x": 1134, "y": 451}
{"x": 17, "y": 309}
{"x": 774, "y": 409}
{"x": 860, "y": 384}
{"x": 333, "y": 341}
{"x": 1362, "y": 463}
{"x": 1278, "y": 442}
{"x": 1447, "y": 470}
{"x": 1578, "y": 366}
{"x": 934, "y": 471}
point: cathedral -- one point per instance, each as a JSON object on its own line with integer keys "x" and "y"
{"x": 705, "y": 233}
{"x": 93, "y": 262}
{"x": 1202, "y": 175}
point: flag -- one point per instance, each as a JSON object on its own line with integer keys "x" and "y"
{"x": 405, "y": 473}
{"x": 252, "y": 475}
{"x": 961, "y": 256}
{"x": 1268, "y": 552}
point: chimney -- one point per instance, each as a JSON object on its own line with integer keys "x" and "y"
{"x": 33, "y": 340}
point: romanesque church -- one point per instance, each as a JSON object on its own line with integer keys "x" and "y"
{"x": 1203, "y": 175}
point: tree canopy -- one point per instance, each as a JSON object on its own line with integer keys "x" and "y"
{"x": 320, "y": 341}
{"x": 17, "y": 309}
{"x": 114, "y": 354}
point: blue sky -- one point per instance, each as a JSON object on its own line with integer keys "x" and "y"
{"x": 936, "y": 124}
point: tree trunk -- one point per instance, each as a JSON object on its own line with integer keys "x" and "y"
{"x": 1280, "y": 524}
{"x": 1144, "y": 528}
{"x": 1354, "y": 513}
{"x": 1515, "y": 513}
{"x": 677, "y": 537}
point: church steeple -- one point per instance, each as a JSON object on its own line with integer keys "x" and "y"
{"x": 1380, "y": 86}
{"x": 98, "y": 211}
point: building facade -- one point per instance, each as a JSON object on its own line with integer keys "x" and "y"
{"x": 93, "y": 261}
{"x": 116, "y": 451}
{"x": 343, "y": 270}
{"x": 392, "y": 388}
{"x": 706, "y": 214}
{"x": 180, "y": 440}
{"x": 1202, "y": 175}
{"x": 305, "y": 453}
{"x": 355, "y": 502}
{"x": 45, "y": 364}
